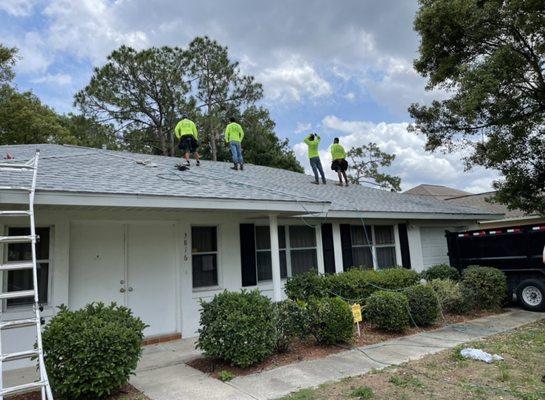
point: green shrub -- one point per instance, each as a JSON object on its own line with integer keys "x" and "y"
{"x": 486, "y": 286}
{"x": 225, "y": 376}
{"x": 332, "y": 321}
{"x": 238, "y": 327}
{"x": 306, "y": 286}
{"x": 363, "y": 393}
{"x": 449, "y": 294}
{"x": 90, "y": 353}
{"x": 388, "y": 311}
{"x": 441, "y": 271}
{"x": 423, "y": 304}
{"x": 292, "y": 320}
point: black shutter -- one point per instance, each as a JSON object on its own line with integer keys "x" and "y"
{"x": 329, "y": 252}
{"x": 404, "y": 245}
{"x": 346, "y": 245}
{"x": 247, "y": 255}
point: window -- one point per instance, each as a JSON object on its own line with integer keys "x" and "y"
{"x": 374, "y": 243}
{"x": 204, "y": 252}
{"x": 302, "y": 249}
{"x": 22, "y": 279}
{"x": 263, "y": 253}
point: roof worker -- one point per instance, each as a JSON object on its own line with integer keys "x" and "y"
{"x": 186, "y": 132}
{"x": 233, "y": 137}
{"x": 312, "y": 141}
{"x": 339, "y": 164}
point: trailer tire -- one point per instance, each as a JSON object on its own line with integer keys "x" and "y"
{"x": 531, "y": 295}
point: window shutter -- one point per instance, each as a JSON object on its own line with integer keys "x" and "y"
{"x": 327, "y": 245}
{"x": 404, "y": 245}
{"x": 346, "y": 245}
{"x": 247, "y": 255}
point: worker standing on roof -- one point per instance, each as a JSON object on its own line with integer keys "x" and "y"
{"x": 233, "y": 136}
{"x": 312, "y": 141}
{"x": 339, "y": 164}
{"x": 187, "y": 134}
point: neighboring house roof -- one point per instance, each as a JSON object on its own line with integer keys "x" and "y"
{"x": 480, "y": 201}
{"x": 69, "y": 170}
{"x": 436, "y": 191}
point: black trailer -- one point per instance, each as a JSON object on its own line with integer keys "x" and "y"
{"x": 516, "y": 250}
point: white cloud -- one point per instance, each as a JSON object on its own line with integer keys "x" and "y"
{"x": 292, "y": 80}
{"x": 303, "y": 127}
{"x": 413, "y": 164}
{"x": 351, "y": 96}
{"x": 54, "y": 79}
{"x": 18, "y": 8}
{"x": 33, "y": 53}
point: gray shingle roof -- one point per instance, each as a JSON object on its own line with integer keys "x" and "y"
{"x": 86, "y": 170}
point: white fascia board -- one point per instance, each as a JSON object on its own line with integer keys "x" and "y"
{"x": 404, "y": 215}
{"x": 135, "y": 200}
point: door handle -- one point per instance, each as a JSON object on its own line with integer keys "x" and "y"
{"x": 122, "y": 290}
{"x": 130, "y": 289}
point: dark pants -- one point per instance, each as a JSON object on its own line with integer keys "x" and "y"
{"x": 316, "y": 166}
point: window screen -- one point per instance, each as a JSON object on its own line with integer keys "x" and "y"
{"x": 204, "y": 244}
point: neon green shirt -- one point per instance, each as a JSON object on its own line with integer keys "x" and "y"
{"x": 337, "y": 152}
{"x": 186, "y": 127}
{"x": 234, "y": 133}
{"x": 313, "y": 146}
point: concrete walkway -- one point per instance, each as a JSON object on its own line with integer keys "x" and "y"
{"x": 162, "y": 374}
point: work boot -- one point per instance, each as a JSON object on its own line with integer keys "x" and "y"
{"x": 187, "y": 163}
{"x": 316, "y": 182}
{"x": 198, "y": 163}
{"x": 235, "y": 167}
{"x": 324, "y": 181}
{"x": 242, "y": 167}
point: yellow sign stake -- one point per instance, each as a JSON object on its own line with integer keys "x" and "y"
{"x": 356, "y": 313}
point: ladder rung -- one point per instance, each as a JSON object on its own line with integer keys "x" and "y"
{"x": 19, "y": 323}
{"x": 19, "y": 188}
{"x": 14, "y": 213}
{"x": 20, "y": 355}
{"x": 14, "y": 266}
{"x": 16, "y": 239}
{"x": 12, "y": 166}
{"x": 22, "y": 388}
{"x": 16, "y": 294}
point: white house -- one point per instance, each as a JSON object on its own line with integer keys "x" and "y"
{"x": 132, "y": 229}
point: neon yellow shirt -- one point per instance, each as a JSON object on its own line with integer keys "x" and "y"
{"x": 186, "y": 127}
{"x": 234, "y": 133}
{"x": 313, "y": 146}
{"x": 337, "y": 152}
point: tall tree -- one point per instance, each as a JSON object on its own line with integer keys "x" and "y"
{"x": 139, "y": 91}
{"x": 7, "y": 61}
{"x": 219, "y": 86}
{"x": 364, "y": 165}
{"x": 90, "y": 133}
{"x": 489, "y": 56}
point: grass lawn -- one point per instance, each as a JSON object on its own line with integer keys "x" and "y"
{"x": 447, "y": 375}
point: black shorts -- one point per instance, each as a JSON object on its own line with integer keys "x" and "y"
{"x": 188, "y": 144}
{"x": 339, "y": 165}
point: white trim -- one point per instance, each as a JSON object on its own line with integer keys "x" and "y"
{"x": 219, "y": 275}
{"x": 275, "y": 258}
{"x": 397, "y": 241}
{"x": 337, "y": 247}
{"x": 415, "y": 247}
{"x": 319, "y": 249}
{"x": 402, "y": 215}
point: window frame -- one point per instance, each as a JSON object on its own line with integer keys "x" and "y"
{"x": 50, "y": 262}
{"x": 218, "y": 259}
{"x": 285, "y": 249}
{"x": 374, "y": 246}
{"x": 288, "y": 255}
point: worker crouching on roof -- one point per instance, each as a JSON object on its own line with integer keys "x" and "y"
{"x": 312, "y": 141}
{"x": 339, "y": 164}
{"x": 186, "y": 132}
{"x": 233, "y": 136}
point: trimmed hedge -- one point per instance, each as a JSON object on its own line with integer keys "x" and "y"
{"x": 238, "y": 327}
{"x": 332, "y": 321}
{"x": 292, "y": 320}
{"x": 90, "y": 353}
{"x": 486, "y": 285}
{"x": 449, "y": 294}
{"x": 306, "y": 286}
{"x": 388, "y": 311}
{"x": 441, "y": 271}
{"x": 423, "y": 304}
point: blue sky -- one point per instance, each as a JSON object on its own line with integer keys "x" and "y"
{"x": 339, "y": 68}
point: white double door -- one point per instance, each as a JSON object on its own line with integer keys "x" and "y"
{"x": 132, "y": 264}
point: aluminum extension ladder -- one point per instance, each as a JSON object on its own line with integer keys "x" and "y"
{"x": 30, "y": 166}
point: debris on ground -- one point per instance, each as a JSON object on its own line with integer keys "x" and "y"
{"x": 479, "y": 355}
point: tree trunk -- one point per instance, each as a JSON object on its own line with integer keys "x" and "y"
{"x": 159, "y": 133}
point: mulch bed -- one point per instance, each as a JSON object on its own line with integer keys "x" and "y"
{"x": 128, "y": 393}
{"x": 310, "y": 350}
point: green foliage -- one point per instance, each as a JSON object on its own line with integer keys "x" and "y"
{"x": 365, "y": 162}
{"x": 24, "y": 119}
{"x": 238, "y": 327}
{"x": 423, "y": 304}
{"x": 363, "y": 393}
{"x": 450, "y": 296}
{"x": 225, "y": 376}
{"x": 292, "y": 320}
{"x": 486, "y": 285}
{"x": 441, "y": 271}
{"x": 91, "y": 353}
{"x": 388, "y": 311}
{"x": 490, "y": 56}
{"x": 89, "y": 132}
{"x": 332, "y": 321}
{"x": 306, "y": 286}
{"x": 7, "y": 61}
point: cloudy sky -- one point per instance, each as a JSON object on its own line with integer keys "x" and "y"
{"x": 341, "y": 68}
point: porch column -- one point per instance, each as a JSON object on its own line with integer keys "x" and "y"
{"x": 319, "y": 249}
{"x": 337, "y": 248}
{"x": 275, "y": 258}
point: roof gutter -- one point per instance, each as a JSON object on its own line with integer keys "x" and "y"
{"x": 407, "y": 215}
